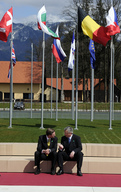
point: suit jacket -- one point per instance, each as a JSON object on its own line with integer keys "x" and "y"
{"x": 75, "y": 144}
{"x": 42, "y": 143}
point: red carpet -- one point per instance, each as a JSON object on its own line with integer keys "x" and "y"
{"x": 91, "y": 180}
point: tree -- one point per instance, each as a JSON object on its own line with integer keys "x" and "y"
{"x": 98, "y": 12}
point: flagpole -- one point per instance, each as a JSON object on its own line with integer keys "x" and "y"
{"x": 92, "y": 95}
{"x": 57, "y": 93}
{"x": 42, "y": 101}
{"x": 113, "y": 83}
{"x": 76, "y": 85}
{"x": 73, "y": 93}
{"x": 51, "y": 80}
{"x": 73, "y": 70}
{"x": 110, "y": 114}
{"x": 11, "y": 82}
{"x": 31, "y": 75}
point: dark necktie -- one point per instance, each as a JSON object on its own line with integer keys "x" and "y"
{"x": 69, "y": 139}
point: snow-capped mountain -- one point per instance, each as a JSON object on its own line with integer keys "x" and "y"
{"x": 23, "y": 36}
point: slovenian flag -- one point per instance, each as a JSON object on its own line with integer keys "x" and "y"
{"x": 90, "y": 28}
{"x": 72, "y": 54}
{"x": 112, "y": 22}
{"x": 92, "y": 53}
{"x": 13, "y": 61}
{"x": 41, "y": 21}
{"x": 57, "y": 49}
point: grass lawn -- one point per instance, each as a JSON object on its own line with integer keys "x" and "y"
{"x": 84, "y": 106}
{"x": 28, "y": 130}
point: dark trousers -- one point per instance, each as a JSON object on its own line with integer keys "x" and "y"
{"x": 41, "y": 156}
{"x": 63, "y": 156}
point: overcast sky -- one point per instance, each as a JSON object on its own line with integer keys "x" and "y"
{"x": 26, "y": 10}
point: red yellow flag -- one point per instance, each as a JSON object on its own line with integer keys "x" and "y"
{"x": 90, "y": 28}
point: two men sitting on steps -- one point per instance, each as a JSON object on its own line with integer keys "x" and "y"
{"x": 69, "y": 150}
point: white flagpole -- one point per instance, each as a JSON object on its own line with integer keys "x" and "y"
{"x": 76, "y": 85}
{"x": 51, "y": 81}
{"x": 42, "y": 101}
{"x": 92, "y": 95}
{"x": 110, "y": 114}
{"x": 31, "y": 75}
{"x": 73, "y": 93}
{"x": 11, "y": 82}
{"x": 113, "y": 82}
{"x": 57, "y": 93}
{"x": 73, "y": 70}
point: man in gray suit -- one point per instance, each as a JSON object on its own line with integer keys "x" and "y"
{"x": 70, "y": 149}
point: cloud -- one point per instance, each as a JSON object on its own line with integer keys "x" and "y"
{"x": 31, "y": 18}
{"x": 50, "y": 19}
{"x": 35, "y": 3}
{"x": 28, "y": 9}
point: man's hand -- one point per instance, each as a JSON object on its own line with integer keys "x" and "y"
{"x": 72, "y": 154}
{"x": 46, "y": 151}
{"x": 60, "y": 146}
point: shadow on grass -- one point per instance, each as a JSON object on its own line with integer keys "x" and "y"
{"x": 34, "y": 126}
{"x": 46, "y": 126}
{"x": 22, "y": 125}
{"x": 73, "y": 125}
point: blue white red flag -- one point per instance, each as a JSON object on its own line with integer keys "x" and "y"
{"x": 13, "y": 61}
{"x": 72, "y": 54}
{"x": 112, "y": 23}
{"x": 57, "y": 49}
{"x": 92, "y": 53}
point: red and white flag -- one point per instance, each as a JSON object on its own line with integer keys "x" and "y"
{"x": 6, "y": 25}
{"x": 112, "y": 23}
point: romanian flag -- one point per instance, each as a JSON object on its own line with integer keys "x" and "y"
{"x": 90, "y": 28}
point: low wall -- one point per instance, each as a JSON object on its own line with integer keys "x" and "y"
{"x": 98, "y": 158}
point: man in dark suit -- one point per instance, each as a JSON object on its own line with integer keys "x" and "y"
{"x": 46, "y": 150}
{"x": 70, "y": 149}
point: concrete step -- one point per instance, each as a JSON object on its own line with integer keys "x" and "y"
{"x": 90, "y": 165}
{"x": 98, "y": 158}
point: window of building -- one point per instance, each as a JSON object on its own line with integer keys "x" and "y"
{"x": 7, "y": 96}
{"x": 28, "y": 95}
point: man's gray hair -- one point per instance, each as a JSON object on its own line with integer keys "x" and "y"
{"x": 69, "y": 129}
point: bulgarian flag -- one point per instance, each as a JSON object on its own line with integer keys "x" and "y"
{"x": 41, "y": 20}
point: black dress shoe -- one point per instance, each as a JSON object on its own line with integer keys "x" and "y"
{"x": 79, "y": 173}
{"x": 37, "y": 172}
{"x": 60, "y": 172}
{"x": 52, "y": 172}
